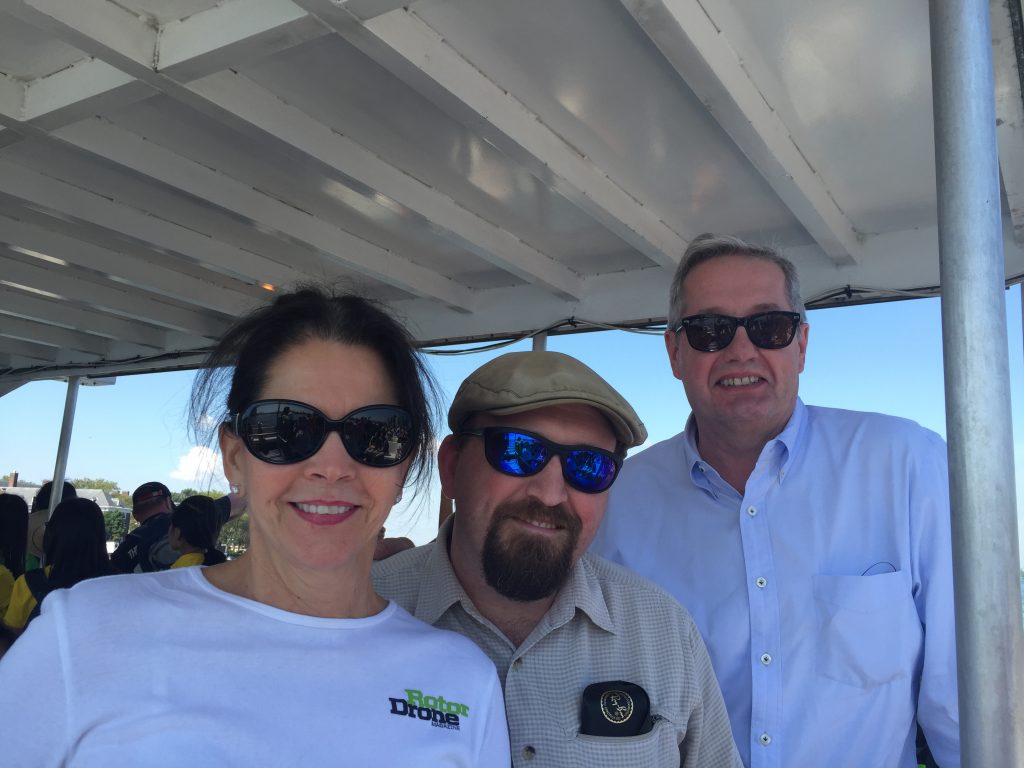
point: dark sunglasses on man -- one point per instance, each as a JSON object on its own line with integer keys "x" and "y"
{"x": 768, "y": 330}
{"x": 519, "y": 453}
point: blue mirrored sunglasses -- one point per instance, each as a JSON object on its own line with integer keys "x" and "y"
{"x": 519, "y": 453}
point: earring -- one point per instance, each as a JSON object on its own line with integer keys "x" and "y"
{"x": 398, "y": 498}
{"x": 234, "y": 489}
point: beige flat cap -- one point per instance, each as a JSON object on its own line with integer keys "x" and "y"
{"x": 523, "y": 381}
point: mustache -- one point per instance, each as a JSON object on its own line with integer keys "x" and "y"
{"x": 532, "y": 509}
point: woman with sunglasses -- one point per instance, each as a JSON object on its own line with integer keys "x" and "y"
{"x": 285, "y": 656}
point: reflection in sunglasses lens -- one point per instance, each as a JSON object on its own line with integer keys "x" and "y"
{"x": 521, "y": 455}
{"x": 285, "y": 432}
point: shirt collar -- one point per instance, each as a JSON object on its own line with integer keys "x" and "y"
{"x": 440, "y": 586}
{"x": 791, "y": 438}
{"x": 784, "y": 446}
{"x": 441, "y": 589}
{"x": 702, "y": 474}
{"x": 582, "y": 591}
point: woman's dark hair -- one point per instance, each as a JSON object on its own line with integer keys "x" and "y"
{"x": 258, "y": 339}
{"x": 13, "y": 532}
{"x": 75, "y": 543}
{"x": 42, "y": 497}
{"x": 197, "y": 521}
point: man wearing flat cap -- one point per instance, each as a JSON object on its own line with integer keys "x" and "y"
{"x": 598, "y": 666}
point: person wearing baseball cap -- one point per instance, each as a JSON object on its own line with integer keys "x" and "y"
{"x": 599, "y": 666}
{"x": 146, "y": 548}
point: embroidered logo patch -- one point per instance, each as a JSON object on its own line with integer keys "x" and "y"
{"x": 616, "y": 706}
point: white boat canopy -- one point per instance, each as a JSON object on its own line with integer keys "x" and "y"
{"x": 487, "y": 167}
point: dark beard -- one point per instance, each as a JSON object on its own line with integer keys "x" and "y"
{"x": 524, "y": 567}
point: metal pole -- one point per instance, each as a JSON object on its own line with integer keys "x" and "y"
{"x": 61, "y": 466}
{"x": 990, "y": 640}
{"x": 540, "y": 342}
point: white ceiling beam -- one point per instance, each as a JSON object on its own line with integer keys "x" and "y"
{"x": 129, "y": 56}
{"x": 42, "y": 333}
{"x": 114, "y": 143}
{"x": 1009, "y": 115}
{"x": 98, "y": 27}
{"x": 229, "y": 34}
{"x": 12, "y": 98}
{"x": 85, "y": 88}
{"x": 90, "y": 366}
{"x": 138, "y": 60}
{"x": 269, "y": 114}
{"x": 365, "y": 257}
{"x": 115, "y": 242}
{"x": 18, "y": 348}
{"x": 368, "y": 9}
{"x": 147, "y": 274}
{"x": 54, "y": 194}
{"x": 36, "y": 307}
{"x": 414, "y": 52}
{"x": 120, "y": 300}
{"x": 702, "y": 56}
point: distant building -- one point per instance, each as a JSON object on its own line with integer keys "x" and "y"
{"x": 103, "y": 501}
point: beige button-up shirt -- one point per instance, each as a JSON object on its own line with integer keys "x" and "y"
{"x": 606, "y": 624}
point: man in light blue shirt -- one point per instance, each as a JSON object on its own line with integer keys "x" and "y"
{"x": 811, "y": 545}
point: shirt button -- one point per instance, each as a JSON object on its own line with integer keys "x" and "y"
{"x": 751, "y": 511}
{"x": 765, "y": 739}
{"x": 766, "y": 659}
{"x": 529, "y": 752}
{"x": 517, "y": 663}
{"x": 761, "y": 582}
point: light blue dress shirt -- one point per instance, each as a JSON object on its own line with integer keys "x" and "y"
{"x": 824, "y": 593}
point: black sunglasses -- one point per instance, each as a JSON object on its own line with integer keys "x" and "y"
{"x": 287, "y": 431}
{"x": 519, "y": 453}
{"x": 767, "y": 330}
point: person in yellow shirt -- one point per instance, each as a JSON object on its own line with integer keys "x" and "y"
{"x": 13, "y": 533}
{"x": 195, "y": 525}
{"x": 75, "y": 548}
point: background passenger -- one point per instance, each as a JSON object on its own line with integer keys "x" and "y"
{"x": 13, "y": 533}
{"x": 75, "y": 549}
{"x": 195, "y": 525}
{"x": 39, "y": 512}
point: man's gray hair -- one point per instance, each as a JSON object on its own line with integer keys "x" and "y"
{"x": 706, "y": 247}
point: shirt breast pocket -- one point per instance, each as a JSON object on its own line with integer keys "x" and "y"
{"x": 864, "y": 628}
{"x": 657, "y": 747}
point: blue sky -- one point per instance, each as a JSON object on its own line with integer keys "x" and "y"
{"x": 880, "y": 357}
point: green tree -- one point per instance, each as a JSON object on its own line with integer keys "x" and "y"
{"x": 234, "y": 536}
{"x": 110, "y": 486}
{"x": 179, "y": 496}
{"x": 116, "y": 523}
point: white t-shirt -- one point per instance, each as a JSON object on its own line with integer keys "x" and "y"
{"x": 164, "y": 669}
